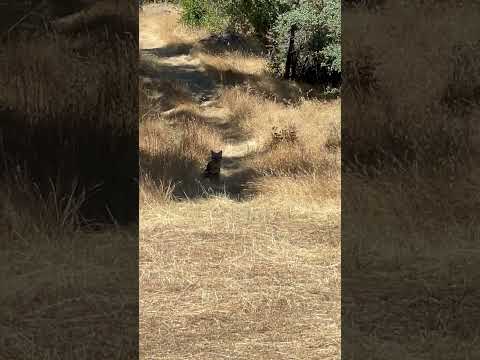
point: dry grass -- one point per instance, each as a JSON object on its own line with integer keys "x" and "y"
{"x": 412, "y": 116}
{"x": 251, "y": 268}
{"x": 63, "y": 288}
{"x": 160, "y": 24}
{"x": 235, "y": 62}
{"x": 222, "y": 278}
{"x": 409, "y": 142}
{"x": 66, "y": 120}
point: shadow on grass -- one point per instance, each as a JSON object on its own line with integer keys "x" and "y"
{"x": 187, "y": 176}
{"x": 69, "y": 148}
{"x": 229, "y": 129}
{"x": 292, "y": 92}
{"x": 218, "y": 44}
{"x": 159, "y": 96}
{"x": 203, "y": 81}
{"x": 190, "y": 76}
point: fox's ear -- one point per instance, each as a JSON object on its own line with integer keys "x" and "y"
{"x": 220, "y": 153}
{"x": 212, "y": 152}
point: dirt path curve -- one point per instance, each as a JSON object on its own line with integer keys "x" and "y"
{"x": 160, "y": 62}
{"x": 163, "y": 62}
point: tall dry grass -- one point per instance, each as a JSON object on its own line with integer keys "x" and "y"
{"x": 409, "y": 142}
{"x": 68, "y": 181}
{"x": 433, "y": 84}
{"x": 59, "y": 114}
{"x": 248, "y": 268}
{"x": 411, "y": 118}
{"x": 174, "y": 147}
{"x": 169, "y": 30}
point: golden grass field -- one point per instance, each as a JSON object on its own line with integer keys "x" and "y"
{"x": 248, "y": 268}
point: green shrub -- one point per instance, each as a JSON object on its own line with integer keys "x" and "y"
{"x": 317, "y": 40}
{"x": 257, "y": 16}
{"x": 204, "y": 13}
{"x": 194, "y": 12}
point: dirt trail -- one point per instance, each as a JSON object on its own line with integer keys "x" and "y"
{"x": 160, "y": 62}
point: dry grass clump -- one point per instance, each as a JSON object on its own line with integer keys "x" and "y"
{"x": 189, "y": 136}
{"x": 199, "y": 139}
{"x": 234, "y": 63}
{"x": 295, "y": 159}
{"x": 334, "y": 139}
{"x": 154, "y": 192}
{"x": 316, "y": 127}
{"x": 33, "y": 75}
{"x": 161, "y": 95}
{"x": 25, "y": 210}
{"x": 172, "y": 158}
{"x": 424, "y": 127}
{"x": 317, "y": 187}
{"x": 242, "y": 104}
{"x": 284, "y": 160}
{"x": 163, "y": 26}
{"x": 52, "y": 270}
{"x": 257, "y": 115}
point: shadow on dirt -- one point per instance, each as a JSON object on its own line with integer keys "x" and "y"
{"x": 218, "y": 44}
{"x": 190, "y": 76}
{"x": 203, "y": 81}
{"x": 169, "y": 50}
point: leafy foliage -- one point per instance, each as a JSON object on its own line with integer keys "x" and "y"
{"x": 256, "y": 15}
{"x": 317, "y": 40}
{"x": 204, "y": 13}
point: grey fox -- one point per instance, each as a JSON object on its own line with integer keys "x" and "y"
{"x": 213, "y": 167}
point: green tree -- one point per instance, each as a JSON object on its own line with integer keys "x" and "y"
{"x": 317, "y": 41}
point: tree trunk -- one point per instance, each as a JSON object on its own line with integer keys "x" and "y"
{"x": 291, "y": 61}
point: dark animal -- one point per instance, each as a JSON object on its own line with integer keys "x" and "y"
{"x": 213, "y": 167}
